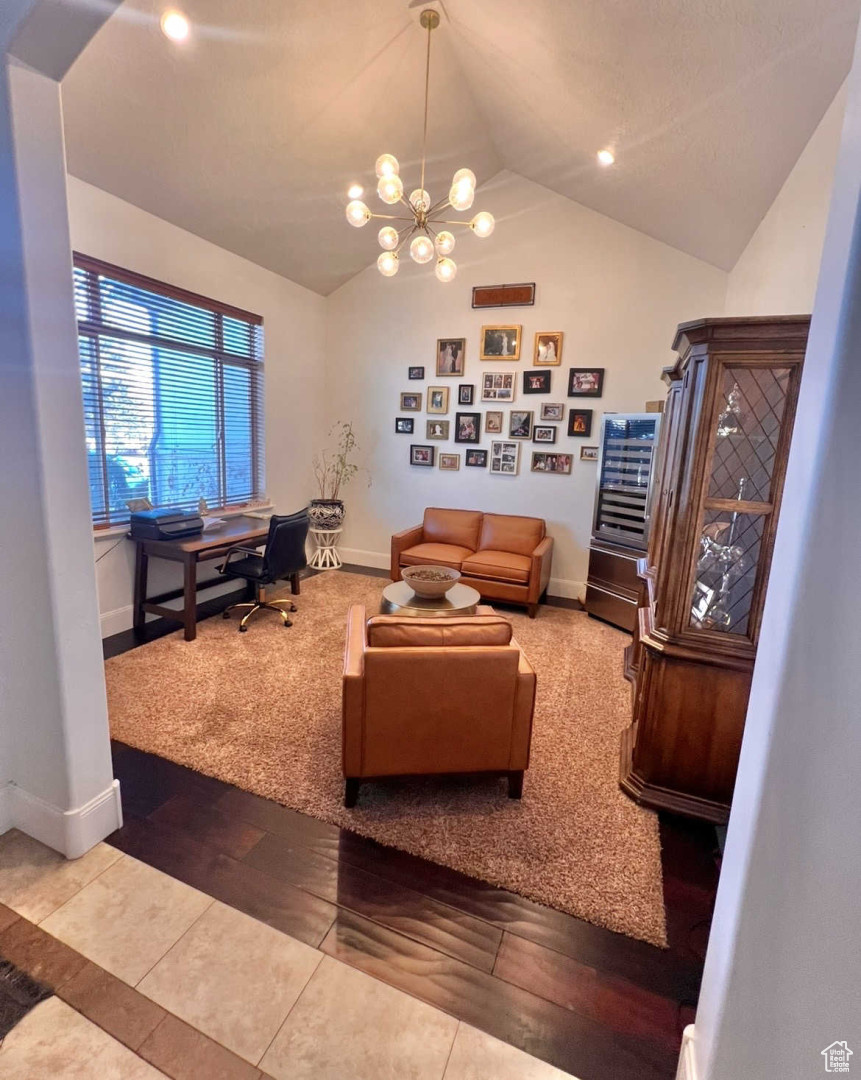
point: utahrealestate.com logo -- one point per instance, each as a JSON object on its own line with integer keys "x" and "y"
{"x": 837, "y": 1057}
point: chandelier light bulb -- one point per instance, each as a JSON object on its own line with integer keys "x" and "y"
{"x": 462, "y": 175}
{"x": 421, "y": 249}
{"x": 357, "y": 213}
{"x": 355, "y": 191}
{"x": 461, "y": 195}
{"x": 390, "y": 188}
{"x": 388, "y": 237}
{"x": 388, "y": 263}
{"x": 483, "y": 224}
{"x": 444, "y": 243}
{"x": 387, "y": 165}
{"x": 420, "y": 199}
{"x": 445, "y": 270}
{"x": 606, "y": 157}
{"x": 175, "y": 25}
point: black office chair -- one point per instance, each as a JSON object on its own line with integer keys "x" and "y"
{"x": 283, "y": 557}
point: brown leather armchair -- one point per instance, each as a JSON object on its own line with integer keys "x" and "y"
{"x": 425, "y": 696}
{"x": 504, "y": 556}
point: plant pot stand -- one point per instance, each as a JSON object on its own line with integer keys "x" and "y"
{"x": 326, "y": 556}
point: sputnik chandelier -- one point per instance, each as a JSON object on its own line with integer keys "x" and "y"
{"x": 423, "y": 219}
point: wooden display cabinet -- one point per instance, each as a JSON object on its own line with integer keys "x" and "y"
{"x": 724, "y": 444}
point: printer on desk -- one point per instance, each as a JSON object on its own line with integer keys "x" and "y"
{"x": 165, "y": 524}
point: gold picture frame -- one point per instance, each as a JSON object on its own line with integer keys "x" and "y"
{"x": 411, "y": 401}
{"x": 450, "y": 357}
{"x": 437, "y": 399}
{"x": 500, "y": 342}
{"x": 547, "y": 351}
{"x": 449, "y": 462}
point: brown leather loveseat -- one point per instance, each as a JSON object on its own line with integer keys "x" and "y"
{"x": 425, "y": 696}
{"x": 504, "y": 556}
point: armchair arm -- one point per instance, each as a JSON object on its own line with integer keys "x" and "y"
{"x": 524, "y": 707}
{"x": 232, "y": 551}
{"x": 353, "y": 691}
{"x": 400, "y": 542}
{"x": 539, "y": 572}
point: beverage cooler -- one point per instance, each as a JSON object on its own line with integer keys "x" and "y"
{"x": 620, "y": 527}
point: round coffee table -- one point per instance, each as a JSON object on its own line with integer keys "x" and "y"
{"x": 399, "y": 599}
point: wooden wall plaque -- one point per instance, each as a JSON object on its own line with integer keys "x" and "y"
{"x": 487, "y": 296}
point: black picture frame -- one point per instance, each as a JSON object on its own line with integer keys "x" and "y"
{"x": 463, "y": 417}
{"x": 404, "y": 425}
{"x": 475, "y": 459}
{"x": 580, "y": 376}
{"x": 431, "y": 456}
{"x": 544, "y": 427}
{"x": 416, "y": 372}
{"x": 466, "y": 394}
{"x": 582, "y": 428}
{"x": 536, "y": 382}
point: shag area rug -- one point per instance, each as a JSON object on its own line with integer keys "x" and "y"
{"x": 262, "y": 710}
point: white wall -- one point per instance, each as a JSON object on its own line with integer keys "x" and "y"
{"x": 777, "y": 271}
{"x": 293, "y": 318}
{"x": 615, "y": 293}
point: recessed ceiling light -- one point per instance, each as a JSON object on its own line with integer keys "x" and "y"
{"x": 356, "y": 191}
{"x": 175, "y": 25}
{"x": 606, "y": 157}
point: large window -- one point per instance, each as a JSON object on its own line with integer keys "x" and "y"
{"x": 173, "y": 394}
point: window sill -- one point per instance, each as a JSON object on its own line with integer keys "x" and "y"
{"x": 116, "y": 531}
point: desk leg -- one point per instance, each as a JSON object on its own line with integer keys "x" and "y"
{"x": 141, "y": 567}
{"x": 190, "y": 598}
{"x": 294, "y": 583}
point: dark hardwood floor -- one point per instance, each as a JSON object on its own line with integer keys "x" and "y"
{"x": 596, "y": 1004}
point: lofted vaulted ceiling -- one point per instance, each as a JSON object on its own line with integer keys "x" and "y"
{"x": 250, "y": 133}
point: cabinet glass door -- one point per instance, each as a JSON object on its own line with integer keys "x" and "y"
{"x": 751, "y": 404}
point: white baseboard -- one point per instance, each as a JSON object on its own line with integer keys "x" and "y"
{"x": 71, "y": 832}
{"x": 114, "y": 622}
{"x": 687, "y": 1069}
{"x": 382, "y": 560}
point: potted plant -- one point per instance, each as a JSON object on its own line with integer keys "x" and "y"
{"x": 333, "y": 470}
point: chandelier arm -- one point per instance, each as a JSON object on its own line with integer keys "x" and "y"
{"x": 431, "y": 25}
{"x": 441, "y": 205}
{"x": 391, "y": 217}
{"x": 446, "y": 221}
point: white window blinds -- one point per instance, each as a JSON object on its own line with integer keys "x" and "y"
{"x": 173, "y": 394}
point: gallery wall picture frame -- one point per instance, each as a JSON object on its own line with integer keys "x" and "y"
{"x": 547, "y": 351}
{"x": 498, "y": 386}
{"x": 520, "y": 423}
{"x": 552, "y": 410}
{"x": 521, "y": 294}
{"x": 449, "y": 462}
{"x": 437, "y": 399}
{"x": 543, "y": 462}
{"x": 504, "y": 458}
{"x": 493, "y": 422}
{"x": 467, "y": 427}
{"x": 475, "y": 459}
{"x": 588, "y": 453}
{"x": 536, "y": 382}
{"x": 411, "y": 402}
{"x": 500, "y": 342}
{"x": 422, "y": 455}
{"x": 544, "y": 433}
{"x": 437, "y": 429}
{"x": 450, "y": 356}
{"x": 416, "y": 372}
{"x": 580, "y": 423}
{"x": 585, "y": 382}
{"x": 404, "y": 425}
{"x": 466, "y": 394}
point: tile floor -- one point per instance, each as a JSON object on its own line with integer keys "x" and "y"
{"x": 155, "y": 978}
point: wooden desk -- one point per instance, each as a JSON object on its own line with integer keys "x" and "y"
{"x": 250, "y": 532}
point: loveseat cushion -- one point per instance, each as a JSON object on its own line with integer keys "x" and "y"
{"x": 499, "y": 565}
{"x": 507, "y": 532}
{"x": 435, "y": 555}
{"x": 394, "y": 631}
{"x": 459, "y": 527}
